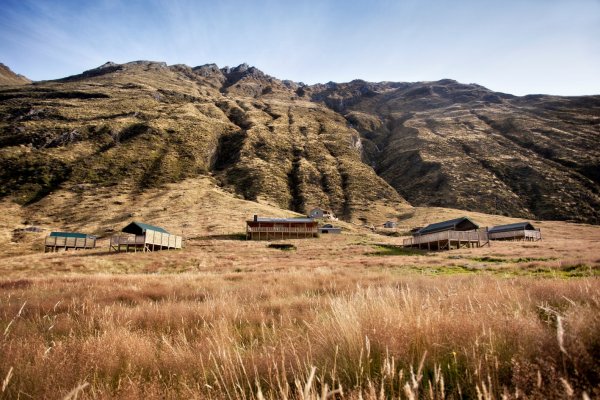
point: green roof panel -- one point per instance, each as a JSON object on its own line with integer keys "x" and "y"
{"x": 139, "y": 228}
{"x": 69, "y": 234}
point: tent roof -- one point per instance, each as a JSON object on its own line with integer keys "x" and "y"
{"x": 445, "y": 225}
{"x": 69, "y": 234}
{"x": 139, "y": 228}
{"x": 518, "y": 226}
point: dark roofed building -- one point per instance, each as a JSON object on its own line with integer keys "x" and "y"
{"x": 329, "y": 228}
{"x": 69, "y": 240}
{"x": 445, "y": 235}
{"x": 458, "y": 224}
{"x": 145, "y": 237}
{"x": 517, "y": 231}
{"x": 511, "y": 227}
{"x": 281, "y": 228}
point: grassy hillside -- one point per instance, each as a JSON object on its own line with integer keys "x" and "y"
{"x": 8, "y": 77}
{"x": 348, "y": 147}
{"x": 453, "y": 145}
{"x": 144, "y": 124}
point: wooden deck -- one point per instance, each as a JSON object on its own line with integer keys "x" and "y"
{"x": 280, "y": 232}
{"x": 528, "y": 235}
{"x": 56, "y": 243}
{"x": 448, "y": 240}
{"x": 150, "y": 241}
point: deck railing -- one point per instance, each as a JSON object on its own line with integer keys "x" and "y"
{"x": 127, "y": 240}
{"x": 520, "y": 234}
{"x": 70, "y": 242}
{"x": 279, "y": 229}
{"x": 152, "y": 238}
{"x": 463, "y": 236}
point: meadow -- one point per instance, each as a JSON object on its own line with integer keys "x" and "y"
{"x": 343, "y": 317}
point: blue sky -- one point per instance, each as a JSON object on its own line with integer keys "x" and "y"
{"x": 519, "y": 47}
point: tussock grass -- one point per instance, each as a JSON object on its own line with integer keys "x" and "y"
{"x": 299, "y": 336}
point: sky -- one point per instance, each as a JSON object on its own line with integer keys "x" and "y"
{"x": 513, "y": 46}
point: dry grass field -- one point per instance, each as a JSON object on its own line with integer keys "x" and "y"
{"x": 343, "y": 317}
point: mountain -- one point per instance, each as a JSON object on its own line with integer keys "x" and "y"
{"x": 357, "y": 148}
{"x": 144, "y": 124}
{"x": 7, "y": 77}
{"x": 449, "y": 144}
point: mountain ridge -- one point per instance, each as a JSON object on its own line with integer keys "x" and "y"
{"x": 8, "y": 77}
{"x": 345, "y": 146}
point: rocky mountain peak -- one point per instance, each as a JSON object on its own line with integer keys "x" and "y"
{"x": 241, "y": 71}
{"x": 107, "y": 64}
{"x": 207, "y": 70}
{"x": 147, "y": 63}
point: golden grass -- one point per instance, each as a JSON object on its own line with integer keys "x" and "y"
{"x": 334, "y": 318}
{"x": 247, "y": 335}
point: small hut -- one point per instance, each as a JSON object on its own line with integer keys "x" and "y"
{"x": 281, "y": 228}
{"x": 329, "y": 228}
{"x": 517, "y": 231}
{"x": 56, "y": 241}
{"x": 144, "y": 237}
{"x": 445, "y": 235}
{"x": 390, "y": 225}
{"x": 320, "y": 213}
{"x": 30, "y": 229}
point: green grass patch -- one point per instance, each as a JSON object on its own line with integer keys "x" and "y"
{"x": 391, "y": 250}
{"x": 511, "y": 260}
{"x": 541, "y": 271}
{"x": 437, "y": 270}
{"x": 447, "y": 270}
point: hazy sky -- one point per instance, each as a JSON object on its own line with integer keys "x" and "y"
{"x": 519, "y": 47}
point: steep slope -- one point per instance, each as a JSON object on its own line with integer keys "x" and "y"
{"x": 8, "y": 77}
{"x": 144, "y": 124}
{"x": 454, "y": 145}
